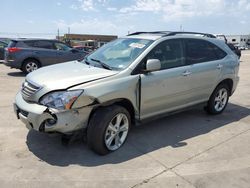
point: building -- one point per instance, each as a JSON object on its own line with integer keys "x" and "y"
{"x": 94, "y": 41}
{"x": 239, "y": 40}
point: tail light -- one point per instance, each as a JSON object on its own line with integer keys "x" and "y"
{"x": 13, "y": 49}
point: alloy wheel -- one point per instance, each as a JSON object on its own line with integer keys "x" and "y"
{"x": 116, "y": 132}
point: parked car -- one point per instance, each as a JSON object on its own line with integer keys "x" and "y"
{"x": 2, "y": 46}
{"x": 31, "y": 54}
{"x": 234, "y": 49}
{"x": 128, "y": 81}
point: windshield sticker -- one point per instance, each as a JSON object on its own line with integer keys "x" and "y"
{"x": 121, "y": 66}
{"x": 137, "y": 45}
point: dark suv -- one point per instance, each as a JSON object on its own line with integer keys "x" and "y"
{"x": 30, "y": 54}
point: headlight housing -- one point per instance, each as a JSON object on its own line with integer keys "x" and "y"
{"x": 61, "y": 100}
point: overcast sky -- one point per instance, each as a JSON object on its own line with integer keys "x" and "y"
{"x": 43, "y": 18}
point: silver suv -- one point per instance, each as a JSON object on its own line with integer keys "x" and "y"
{"x": 128, "y": 81}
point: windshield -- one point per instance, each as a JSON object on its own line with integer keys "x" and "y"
{"x": 119, "y": 53}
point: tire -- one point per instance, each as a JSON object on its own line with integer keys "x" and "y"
{"x": 218, "y": 100}
{"x": 104, "y": 133}
{"x": 30, "y": 65}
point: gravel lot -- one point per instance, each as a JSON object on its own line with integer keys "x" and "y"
{"x": 190, "y": 149}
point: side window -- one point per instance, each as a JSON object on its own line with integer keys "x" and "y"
{"x": 219, "y": 52}
{"x": 198, "y": 51}
{"x": 43, "y": 44}
{"x": 29, "y": 43}
{"x": 61, "y": 46}
{"x": 170, "y": 53}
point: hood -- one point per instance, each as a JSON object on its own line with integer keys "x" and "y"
{"x": 64, "y": 75}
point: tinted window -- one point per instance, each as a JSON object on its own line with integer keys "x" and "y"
{"x": 12, "y": 44}
{"x": 43, "y": 44}
{"x": 220, "y": 54}
{"x": 198, "y": 51}
{"x": 170, "y": 53}
{"x": 29, "y": 43}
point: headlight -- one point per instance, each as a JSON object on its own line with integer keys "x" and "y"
{"x": 61, "y": 100}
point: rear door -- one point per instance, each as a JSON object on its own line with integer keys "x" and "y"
{"x": 206, "y": 63}
{"x": 44, "y": 51}
{"x": 167, "y": 89}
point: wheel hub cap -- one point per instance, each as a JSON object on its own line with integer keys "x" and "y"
{"x": 220, "y": 100}
{"x": 116, "y": 131}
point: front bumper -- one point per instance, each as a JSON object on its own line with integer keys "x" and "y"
{"x": 44, "y": 119}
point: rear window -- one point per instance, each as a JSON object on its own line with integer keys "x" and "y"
{"x": 29, "y": 43}
{"x": 12, "y": 44}
{"x": 20, "y": 44}
{"x": 43, "y": 44}
{"x": 34, "y": 44}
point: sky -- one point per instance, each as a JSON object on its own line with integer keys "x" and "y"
{"x": 24, "y": 18}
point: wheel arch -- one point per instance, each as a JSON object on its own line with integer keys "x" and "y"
{"x": 32, "y": 58}
{"x": 126, "y": 103}
{"x": 229, "y": 83}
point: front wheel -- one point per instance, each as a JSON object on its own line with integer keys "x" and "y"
{"x": 108, "y": 129}
{"x": 218, "y": 100}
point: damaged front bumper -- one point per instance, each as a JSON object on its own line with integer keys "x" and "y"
{"x": 44, "y": 119}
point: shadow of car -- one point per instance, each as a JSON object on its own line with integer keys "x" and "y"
{"x": 172, "y": 131}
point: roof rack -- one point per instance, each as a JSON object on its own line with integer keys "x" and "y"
{"x": 172, "y": 33}
{"x": 191, "y": 33}
{"x": 150, "y": 32}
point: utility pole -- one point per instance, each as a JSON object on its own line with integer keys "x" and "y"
{"x": 181, "y": 29}
{"x": 58, "y": 34}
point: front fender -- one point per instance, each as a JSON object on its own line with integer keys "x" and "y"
{"x": 103, "y": 92}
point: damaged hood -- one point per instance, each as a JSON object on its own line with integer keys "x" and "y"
{"x": 65, "y": 75}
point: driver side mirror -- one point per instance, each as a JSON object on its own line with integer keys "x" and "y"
{"x": 153, "y": 65}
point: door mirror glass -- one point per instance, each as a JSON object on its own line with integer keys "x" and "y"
{"x": 153, "y": 65}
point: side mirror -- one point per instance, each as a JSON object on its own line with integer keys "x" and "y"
{"x": 153, "y": 65}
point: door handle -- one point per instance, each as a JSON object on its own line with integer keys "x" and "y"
{"x": 219, "y": 66}
{"x": 186, "y": 73}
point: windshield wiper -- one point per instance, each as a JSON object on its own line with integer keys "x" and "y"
{"x": 102, "y": 64}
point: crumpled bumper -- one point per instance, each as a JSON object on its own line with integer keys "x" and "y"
{"x": 44, "y": 119}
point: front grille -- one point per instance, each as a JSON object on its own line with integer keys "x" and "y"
{"x": 29, "y": 89}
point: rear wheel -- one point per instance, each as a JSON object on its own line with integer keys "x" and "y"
{"x": 218, "y": 100}
{"x": 30, "y": 65}
{"x": 108, "y": 129}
